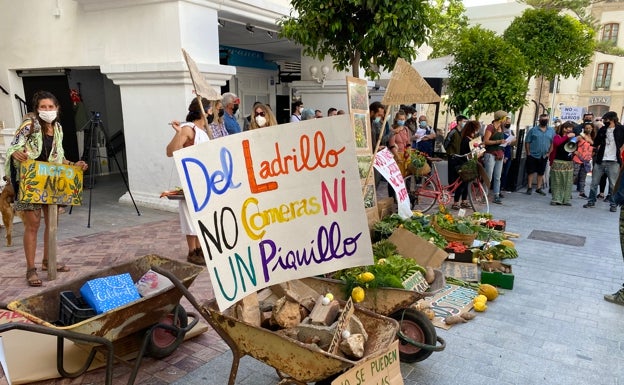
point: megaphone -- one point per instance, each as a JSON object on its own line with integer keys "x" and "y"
{"x": 571, "y": 145}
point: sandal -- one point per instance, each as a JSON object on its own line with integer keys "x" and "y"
{"x": 465, "y": 205}
{"x": 455, "y": 206}
{"x": 196, "y": 258}
{"x": 60, "y": 266}
{"x": 33, "y": 278}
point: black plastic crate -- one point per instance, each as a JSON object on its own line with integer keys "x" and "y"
{"x": 73, "y": 309}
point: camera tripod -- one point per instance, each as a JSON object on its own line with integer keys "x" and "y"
{"x": 91, "y": 156}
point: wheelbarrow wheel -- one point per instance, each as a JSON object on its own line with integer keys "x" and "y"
{"x": 162, "y": 342}
{"x": 417, "y": 327}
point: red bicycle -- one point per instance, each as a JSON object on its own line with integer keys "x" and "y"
{"x": 427, "y": 191}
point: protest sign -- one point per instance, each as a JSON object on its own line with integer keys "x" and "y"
{"x": 50, "y": 183}
{"x": 571, "y": 113}
{"x": 389, "y": 169}
{"x": 382, "y": 369}
{"x": 406, "y": 86}
{"x": 276, "y": 204}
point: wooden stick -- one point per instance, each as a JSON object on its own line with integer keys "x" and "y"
{"x": 52, "y": 229}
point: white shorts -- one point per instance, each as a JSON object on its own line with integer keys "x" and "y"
{"x": 185, "y": 219}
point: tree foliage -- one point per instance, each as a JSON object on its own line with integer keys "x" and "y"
{"x": 552, "y": 43}
{"x": 488, "y": 74}
{"x": 449, "y": 21}
{"x": 578, "y": 7}
{"x": 366, "y": 33}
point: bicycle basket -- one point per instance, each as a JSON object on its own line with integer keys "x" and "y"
{"x": 468, "y": 171}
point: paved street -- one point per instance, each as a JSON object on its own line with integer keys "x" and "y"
{"x": 553, "y": 328}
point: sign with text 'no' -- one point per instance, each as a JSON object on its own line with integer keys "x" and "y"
{"x": 276, "y": 204}
{"x": 50, "y": 183}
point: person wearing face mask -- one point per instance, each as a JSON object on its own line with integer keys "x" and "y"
{"x": 424, "y": 139}
{"x": 262, "y": 116}
{"x": 452, "y": 144}
{"x": 538, "y": 146}
{"x": 508, "y": 150}
{"x": 399, "y": 139}
{"x": 493, "y": 139}
{"x": 297, "y": 108}
{"x": 192, "y": 131}
{"x": 231, "y": 103}
{"x": 215, "y": 120}
{"x": 608, "y": 144}
{"x": 39, "y": 137}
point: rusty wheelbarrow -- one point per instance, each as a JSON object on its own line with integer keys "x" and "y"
{"x": 295, "y": 362}
{"x": 155, "y": 324}
{"x": 417, "y": 335}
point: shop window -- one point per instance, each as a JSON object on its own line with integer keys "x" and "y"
{"x": 610, "y": 33}
{"x": 603, "y": 76}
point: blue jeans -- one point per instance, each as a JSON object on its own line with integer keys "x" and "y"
{"x": 493, "y": 168}
{"x": 612, "y": 170}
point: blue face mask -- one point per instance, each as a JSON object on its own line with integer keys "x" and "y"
{"x": 401, "y": 122}
{"x": 423, "y": 124}
{"x": 378, "y": 119}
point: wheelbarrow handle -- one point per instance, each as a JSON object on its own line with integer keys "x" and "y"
{"x": 434, "y": 348}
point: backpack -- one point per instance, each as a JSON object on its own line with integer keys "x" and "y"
{"x": 449, "y": 139}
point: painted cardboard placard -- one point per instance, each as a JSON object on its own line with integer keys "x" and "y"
{"x": 381, "y": 369}
{"x": 50, "y": 183}
{"x": 276, "y": 204}
{"x": 202, "y": 87}
{"x": 406, "y": 86}
{"x": 389, "y": 169}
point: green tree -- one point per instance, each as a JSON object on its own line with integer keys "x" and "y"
{"x": 449, "y": 21}
{"x": 581, "y": 8}
{"x": 552, "y": 44}
{"x": 358, "y": 33}
{"x": 488, "y": 74}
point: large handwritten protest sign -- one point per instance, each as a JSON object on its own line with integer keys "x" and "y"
{"x": 276, "y": 204}
{"x": 50, "y": 183}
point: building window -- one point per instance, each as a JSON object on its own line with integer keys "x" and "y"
{"x": 603, "y": 76}
{"x": 610, "y": 33}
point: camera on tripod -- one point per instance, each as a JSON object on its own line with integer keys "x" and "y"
{"x": 96, "y": 115}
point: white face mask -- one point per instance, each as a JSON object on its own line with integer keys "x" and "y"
{"x": 47, "y": 116}
{"x": 261, "y": 120}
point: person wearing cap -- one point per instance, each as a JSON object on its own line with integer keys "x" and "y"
{"x": 231, "y": 103}
{"x": 538, "y": 145}
{"x": 493, "y": 139}
{"x": 608, "y": 145}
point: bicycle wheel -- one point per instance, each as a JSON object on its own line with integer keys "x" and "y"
{"x": 478, "y": 197}
{"x": 422, "y": 196}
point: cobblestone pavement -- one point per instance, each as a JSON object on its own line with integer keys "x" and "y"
{"x": 553, "y": 328}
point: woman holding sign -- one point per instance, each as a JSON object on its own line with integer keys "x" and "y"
{"x": 39, "y": 137}
{"x": 188, "y": 133}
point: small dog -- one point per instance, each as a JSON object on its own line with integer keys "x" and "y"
{"x": 7, "y": 196}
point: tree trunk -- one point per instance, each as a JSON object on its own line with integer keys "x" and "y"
{"x": 355, "y": 64}
{"x": 522, "y": 108}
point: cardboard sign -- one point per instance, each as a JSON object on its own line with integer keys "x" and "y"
{"x": 412, "y": 246}
{"x": 276, "y": 204}
{"x": 452, "y": 300}
{"x": 202, "y": 87}
{"x": 381, "y": 369}
{"x": 50, "y": 183}
{"x": 571, "y": 113}
{"x": 389, "y": 169}
{"x": 406, "y": 86}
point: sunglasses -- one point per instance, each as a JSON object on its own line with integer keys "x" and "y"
{"x": 261, "y": 113}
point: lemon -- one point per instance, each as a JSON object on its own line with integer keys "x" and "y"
{"x": 381, "y": 261}
{"x": 357, "y": 294}
{"x": 480, "y": 306}
{"x": 366, "y": 277}
{"x": 480, "y": 298}
{"x": 330, "y": 296}
{"x": 507, "y": 243}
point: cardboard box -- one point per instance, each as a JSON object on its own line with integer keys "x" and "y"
{"x": 385, "y": 207}
{"x": 496, "y": 278}
{"x": 412, "y": 246}
{"x": 107, "y": 293}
